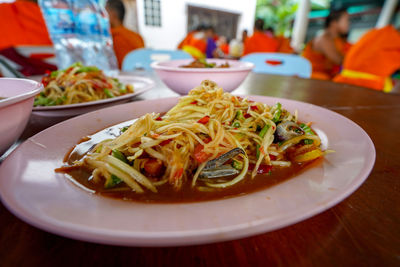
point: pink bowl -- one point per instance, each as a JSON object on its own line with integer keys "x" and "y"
{"x": 16, "y": 108}
{"x": 182, "y": 80}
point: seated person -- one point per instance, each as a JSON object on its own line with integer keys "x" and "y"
{"x": 189, "y": 36}
{"x": 124, "y": 40}
{"x": 372, "y": 60}
{"x": 201, "y": 43}
{"x": 259, "y": 41}
{"x": 22, "y": 23}
{"x": 326, "y": 52}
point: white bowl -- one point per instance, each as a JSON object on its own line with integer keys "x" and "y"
{"x": 16, "y": 108}
{"x": 182, "y": 80}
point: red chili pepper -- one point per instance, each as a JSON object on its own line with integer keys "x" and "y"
{"x": 165, "y": 142}
{"x": 199, "y": 155}
{"x": 45, "y": 81}
{"x": 272, "y": 157}
{"x": 253, "y": 107}
{"x": 159, "y": 119}
{"x": 207, "y": 140}
{"x": 178, "y": 174}
{"x": 246, "y": 115}
{"x": 204, "y": 120}
{"x": 48, "y": 72}
{"x": 261, "y": 169}
{"x": 194, "y": 102}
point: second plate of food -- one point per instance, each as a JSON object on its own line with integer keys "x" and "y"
{"x": 80, "y": 89}
{"x": 232, "y": 155}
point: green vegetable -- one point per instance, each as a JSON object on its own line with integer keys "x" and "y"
{"x": 118, "y": 154}
{"x": 264, "y": 131}
{"x": 113, "y": 181}
{"x": 239, "y": 115}
{"x": 87, "y": 69}
{"x": 306, "y": 129}
{"x": 237, "y": 165}
{"x": 61, "y": 100}
{"x": 278, "y": 112}
{"x": 108, "y": 93}
{"x": 124, "y": 129}
{"x": 55, "y": 73}
{"x": 308, "y": 141}
{"x": 207, "y": 65}
{"x": 76, "y": 64}
{"x": 236, "y": 124}
{"x": 98, "y": 149}
{"x": 43, "y": 101}
{"x": 262, "y": 134}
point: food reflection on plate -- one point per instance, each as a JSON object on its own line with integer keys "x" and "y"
{"x": 79, "y": 84}
{"x": 210, "y": 145}
{"x": 202, "y": 63}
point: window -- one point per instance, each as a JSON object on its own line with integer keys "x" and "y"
{"x": 152, "y": 12}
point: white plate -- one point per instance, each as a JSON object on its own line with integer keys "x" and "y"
{"x": 140, "y": 84}
{"x": 33, "y": 192}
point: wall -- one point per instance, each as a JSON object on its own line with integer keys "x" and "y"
{"x": 174, "y": 19}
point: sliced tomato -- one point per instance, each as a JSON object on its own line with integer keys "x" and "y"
{"x": 194, "y": 102}
{"x": 159, "y": 119}
{"x": 272, "y": 157}
{"x": 165, "y": 142}
{"x": 207, "y": 140}
{"x": 153, "y": 167}
{"x": 253, "y": 107}
{"x": 204, "y": 120}
{"x": 246, "y": 115}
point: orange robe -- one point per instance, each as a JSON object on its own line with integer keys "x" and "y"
{"x": 124, "y": 42}
{"x": 22, "y": 23}
{"x": 186, "y": 40}
{"x": 195, "y": 46}
{"x": 260, "y": 42}
{"x": 373, "y": 59}
{"x": 284, "y": 45}
{"x": 322, "y": 67}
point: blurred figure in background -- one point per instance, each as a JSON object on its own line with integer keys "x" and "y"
{"x": 223, "y": 45}
{"x": 189, "y": 36}
{"x": 326, "y": 52}
{"x": 195, "y": 43}
{"x": 22, "y": 23}
{"x": 124, "y": 39}
{"x": 372, "y": 60}
{"x": 259, "y": 41}
{"x": 283, "y": 42}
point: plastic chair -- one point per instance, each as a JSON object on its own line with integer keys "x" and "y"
{"x": 142, "y": 58}
{"x": 278, "y": 63}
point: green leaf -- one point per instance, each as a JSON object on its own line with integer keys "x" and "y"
{"x": 119, "y": 155}
{"x": 108, "y": 93}
{"x": 112, "y": 182}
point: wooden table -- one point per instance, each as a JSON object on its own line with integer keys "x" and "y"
{"x": 363, "y": 230}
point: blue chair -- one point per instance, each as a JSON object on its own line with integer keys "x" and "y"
{"x": 278, "y": 63}
{"x": 142, "y": 58}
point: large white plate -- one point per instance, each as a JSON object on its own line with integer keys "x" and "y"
{"x": 140, "y": 84}
{"x": 33, "y": 192}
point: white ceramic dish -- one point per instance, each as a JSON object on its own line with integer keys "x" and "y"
{"x": 182, "y": 80}
{"x": 15, "y": 108}
{"x": 33, "y": 192}
{"x": 141, "y": 85}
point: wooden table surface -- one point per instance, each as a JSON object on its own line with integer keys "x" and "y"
{"x": 364, "y": 229}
